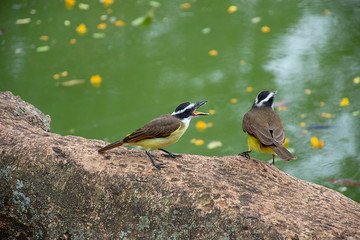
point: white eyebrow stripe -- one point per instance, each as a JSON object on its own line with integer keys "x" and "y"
{"x": 183, "y": 110}
{"x": 268, "y": 97}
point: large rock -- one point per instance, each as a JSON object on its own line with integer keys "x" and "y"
{"x": 59, "y": 187}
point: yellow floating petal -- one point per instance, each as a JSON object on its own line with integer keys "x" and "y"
{"x": 286, "y": 142}
{"x": 201, "y": 125}
{"x": 73, "y": 41}
{"x": 213, "y": 53}
{"x": 302, "y": 124}
{"x": 307, "y": 91}
{"x": 249, "y": 89}
{"x": 44, "y": 38}
{"x": 265, "y": 29}
{"x": 95, "y": 80}
{"x": 322, "y": 104}
{"x": 56, "y": 76}
{"x": 64, "y": 73}
{"x": 326, "y": 115}
{"x": 101, "y": 26}
{"x": 344, "y": 102}
{"x": 232, "y": 9}
{"x": 357, "y": 80}
{"x": 119, "y": 23}
{"x": 69, "y": 4}
{"x": 107, "y": 3}
{"x": 233, "y": 100}
{"x": 211, "y": 111}
{"x": 314, "y": 142}
{"x": 327, "y": 11}
{"x": 185, "y": 5}
{"x": 81, "y": 29}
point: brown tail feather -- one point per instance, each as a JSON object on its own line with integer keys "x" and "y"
{"x": 111, "y": 146}
{"x": 283, "y": 153}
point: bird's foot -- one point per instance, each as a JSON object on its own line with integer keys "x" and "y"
{"x": 159, "y": 165}
{"x": 171, "y": 154}
{"x": 245, "y": 154}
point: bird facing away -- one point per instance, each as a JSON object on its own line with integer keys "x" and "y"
{"x": 161, "y": 131}
{"x": 265, "y": 129}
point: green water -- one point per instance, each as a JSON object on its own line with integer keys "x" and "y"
{"x": 148, "y": 70}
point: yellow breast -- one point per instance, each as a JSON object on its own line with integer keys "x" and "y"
{"x": 255, "y": 145}
{"x": 156, "y": 143}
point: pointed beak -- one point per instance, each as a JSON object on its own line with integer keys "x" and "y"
{"x": 197, "y": 105}
{"x": 275, "y": 92}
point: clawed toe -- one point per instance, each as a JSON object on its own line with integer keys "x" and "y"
{"x": 245, "y": 154}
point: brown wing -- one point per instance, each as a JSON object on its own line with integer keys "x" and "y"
{"x": 159, "y": 127}
{"x": 269, "y": 130}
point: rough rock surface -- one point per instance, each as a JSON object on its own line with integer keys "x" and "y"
{"x": 59, "y": 187}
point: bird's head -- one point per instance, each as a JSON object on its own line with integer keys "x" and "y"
{"x": 265, "y": 99}
{"x": 188, "y": 110}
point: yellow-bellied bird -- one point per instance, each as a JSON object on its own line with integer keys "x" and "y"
{"x": 264, "y": 128}
{"x": 161, "y": 131}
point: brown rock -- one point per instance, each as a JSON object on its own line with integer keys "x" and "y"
{"x": 59, "y": 187}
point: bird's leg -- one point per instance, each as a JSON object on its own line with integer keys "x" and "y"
{"x": 171, "y": 154}
{"x": 245, "y": 154}
{"x": 158, "y": 166}
{"x": 273, "y": 160}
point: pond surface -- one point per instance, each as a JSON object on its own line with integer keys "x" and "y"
{"x": 153, "y": 55}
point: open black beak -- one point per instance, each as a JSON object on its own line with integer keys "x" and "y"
{"x": 197, "y": 105}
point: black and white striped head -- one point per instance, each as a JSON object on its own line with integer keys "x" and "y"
{"x": 265, "y": 99}
{"x": 188, "y": 110}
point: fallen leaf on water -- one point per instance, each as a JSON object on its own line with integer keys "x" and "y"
{"x": 43, "y": 48}
{"x": 84, "y": 6}
{"x": 23, "y": 21}
{"x": 98, "y": 35}
{"x": 73, "y": 82}
{"x": 214, "y": 144}
{"x": 344, "y": 182}
{"x": 256, "y": 20}
{"x": 206, "y": 30}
